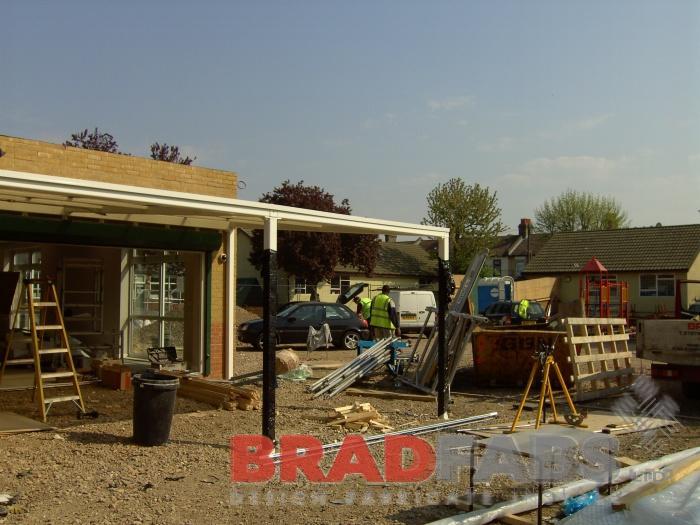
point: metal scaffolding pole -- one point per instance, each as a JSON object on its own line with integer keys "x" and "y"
{"x": 443, "y": 273}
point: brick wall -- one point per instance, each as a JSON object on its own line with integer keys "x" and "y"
{"x": 52, "y": 159}
{"x": 218, "y": 314}
{"x": 77, "y": 163}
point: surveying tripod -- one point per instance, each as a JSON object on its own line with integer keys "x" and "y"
{"x": 544, "y": 362}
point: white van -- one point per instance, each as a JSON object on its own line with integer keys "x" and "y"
{"x": 412, "y": 307}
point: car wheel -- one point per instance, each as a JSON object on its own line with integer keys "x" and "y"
{"x": 258, "y": 343}
{"x": 350, "y": 340}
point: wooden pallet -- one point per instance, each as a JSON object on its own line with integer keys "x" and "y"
{"x": 600, "y": 357}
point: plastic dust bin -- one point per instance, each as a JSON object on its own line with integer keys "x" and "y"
{"x": 154, "y": 404}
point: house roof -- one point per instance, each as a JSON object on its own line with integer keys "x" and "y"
{"x": 624, "y": 250}
{"x": 515, "y": 245}
{"x": 398, "y": 258}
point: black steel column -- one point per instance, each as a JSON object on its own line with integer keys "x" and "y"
{"x": 443, "y": 275}
{"x": 269, "y": 311}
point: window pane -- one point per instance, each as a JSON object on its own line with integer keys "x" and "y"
{"x": 145, "y": 294}
{"x": 20, "y": 259}
{"x": 344, "y": 283}
{"x": 312, "y": 314}
{"x": 647, "y": 285}
{"x": 144, "y": 333}
{"x": 174, "y": 289}
{"x": 666, "y": 286}
{"x": 174, "y": 334}
{"x": 337, "y": 312}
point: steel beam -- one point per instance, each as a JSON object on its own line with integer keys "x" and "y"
{"x": 442, "y": 370}
{"x": 269, "y": 336}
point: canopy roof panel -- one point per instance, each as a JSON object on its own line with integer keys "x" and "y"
{"x": 47, "y": 194}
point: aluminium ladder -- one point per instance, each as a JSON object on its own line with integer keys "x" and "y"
{"x": 37, "y": 330}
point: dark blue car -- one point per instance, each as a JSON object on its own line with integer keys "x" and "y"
{"x": 293, "y": 321}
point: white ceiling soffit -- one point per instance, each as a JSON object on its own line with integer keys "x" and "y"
{"x": 47, "y": 194}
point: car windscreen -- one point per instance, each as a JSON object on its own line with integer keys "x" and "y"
{"x": 285, "y": 312}
{"x": 535, "y": 310}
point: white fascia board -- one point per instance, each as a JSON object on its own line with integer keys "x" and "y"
{"x": 166, "y": 202}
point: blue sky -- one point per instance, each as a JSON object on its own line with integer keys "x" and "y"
{"x": 378, "y": 101}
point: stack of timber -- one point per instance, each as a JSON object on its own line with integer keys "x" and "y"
{"x": 600, "y": 358}
{"x": 458, "y": 331}
{"x": 358, "y": 417}
{"x": 364, "y": 364}
{"x": 217, "y": 394}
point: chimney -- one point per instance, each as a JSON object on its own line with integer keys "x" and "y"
{"x": 389, "y": 238}
{"x": 524, "y": 228}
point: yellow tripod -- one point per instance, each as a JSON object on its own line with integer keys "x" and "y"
{"x": 544, "y": 361}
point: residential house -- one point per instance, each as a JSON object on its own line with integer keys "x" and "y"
{"x": 510, "y": 254}
{"x": 651, "y": 260}
{"x": 401, "y": 265}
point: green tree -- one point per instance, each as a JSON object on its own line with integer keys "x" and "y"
{"x": 471, "y": 213}
{"x": 95, "y": 140}
{"x": 310, "y": 255}
{"x": 169, "y": 153}
{"x": 580, "y": 211}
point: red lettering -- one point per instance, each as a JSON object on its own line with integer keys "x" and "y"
{"x": 420, "y": 469}
{"x": 307, "y": 463}
{"x": 251, "y": 450}
{"x": 354, "y": 447}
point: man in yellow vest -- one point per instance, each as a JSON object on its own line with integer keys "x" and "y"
{"x": 522, "y": 309}
{"x": 383, "y": 319}
{"x": 364, "y": 306}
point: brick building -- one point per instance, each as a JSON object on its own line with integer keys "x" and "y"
{"x": 143, "y": 251}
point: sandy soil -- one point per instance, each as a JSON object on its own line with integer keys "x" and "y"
{"x": 91, "y": 472}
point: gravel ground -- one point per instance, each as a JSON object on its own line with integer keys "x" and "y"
{"x": 90, "y": 472}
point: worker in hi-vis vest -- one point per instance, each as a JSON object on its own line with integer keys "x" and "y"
{"x": 522, "y": 308}
{"x": 364, "y": 306}
{"x": 383, "y": 318}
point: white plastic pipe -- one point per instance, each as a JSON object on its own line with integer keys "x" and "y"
{"x": 556, "y": 494}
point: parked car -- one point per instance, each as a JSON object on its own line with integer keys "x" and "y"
{"x": 506, "y": 312}
{"x": 692, "y": 311}
{"x": 292, "y": 325}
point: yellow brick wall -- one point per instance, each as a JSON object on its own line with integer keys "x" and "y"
{"x": 218, "y": 313}
{"x": 53, "y": 159}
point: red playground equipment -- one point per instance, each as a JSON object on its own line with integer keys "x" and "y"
{"x": 602, "y": 296}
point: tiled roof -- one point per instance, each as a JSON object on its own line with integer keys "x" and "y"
{"x": 397, "y": 258}
{"x": 505, "y": 243}
{"x": 630, "y": 249}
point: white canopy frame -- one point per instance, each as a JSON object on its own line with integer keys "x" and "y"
{"x": 33, "y": 193}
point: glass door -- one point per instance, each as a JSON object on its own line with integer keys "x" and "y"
{"x": 156, "y": 308}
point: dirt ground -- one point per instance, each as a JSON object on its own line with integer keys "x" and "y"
{"x": 91, "y": 472}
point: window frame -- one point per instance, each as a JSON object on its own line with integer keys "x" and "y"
{"x": 665, "y": 278}
{"x": 339, "y": 283}
{"x": 300, "y": 285}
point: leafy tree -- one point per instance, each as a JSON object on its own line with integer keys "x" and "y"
{"x": 169, "y": 154}
{"x": 471, "y": 213}
{"x": 313, "y": 256}
{"x": 93, "y": 140}
{"x": 580, "y": 211}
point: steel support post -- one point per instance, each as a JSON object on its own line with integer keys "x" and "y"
{"x": 269, "y": 343}
{"x": 443, "y": 275}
